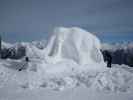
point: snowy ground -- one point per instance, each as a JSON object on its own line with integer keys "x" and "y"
{"x": 113, "y": 84}
{"x": 79, "y": 93}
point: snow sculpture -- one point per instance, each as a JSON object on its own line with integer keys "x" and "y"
{"x": 73, "y": 44}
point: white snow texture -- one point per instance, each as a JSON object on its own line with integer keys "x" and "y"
{"x": 74, "y": 44}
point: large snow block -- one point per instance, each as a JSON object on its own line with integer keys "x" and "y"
{"x": 73, "y": 44}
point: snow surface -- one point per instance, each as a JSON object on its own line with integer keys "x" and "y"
{"x": 72, "y": 64}
{"x": 74, "y": 44}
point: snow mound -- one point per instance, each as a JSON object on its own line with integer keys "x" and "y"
{"x": 73, "y": 44}
{"x": 117, "y": 79}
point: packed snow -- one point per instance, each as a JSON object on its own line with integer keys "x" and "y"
{"x": 71, "y": 58}
{"x": 74, "y": 44}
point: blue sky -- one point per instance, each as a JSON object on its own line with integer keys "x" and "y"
{"x": 26, "y": 20}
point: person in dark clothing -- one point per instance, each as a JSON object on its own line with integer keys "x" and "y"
{"x": 27, "y": 59}
{"x": 108, "y": 58}
{"x": 25, "y": 64}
